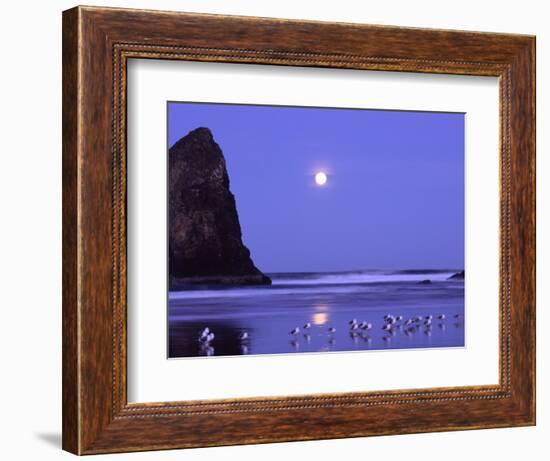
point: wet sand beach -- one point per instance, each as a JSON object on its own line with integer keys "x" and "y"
{"x": 325, "y": 304}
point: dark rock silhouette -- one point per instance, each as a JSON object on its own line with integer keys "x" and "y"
{"x": 457, "y": 276}
{"x": 205, "y": 243}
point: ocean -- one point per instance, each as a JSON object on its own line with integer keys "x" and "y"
{"x": 267, "y": 314}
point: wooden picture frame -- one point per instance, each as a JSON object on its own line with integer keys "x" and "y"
{"x": 97, "y": 43}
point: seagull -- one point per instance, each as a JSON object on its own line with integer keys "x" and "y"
{"x": 294, "y": 331}
{"x": 332, "y": 330}
{"x": 429, "y": 317}
{"x": 243, "y": 336}
{"x": 399, "y": 318}
{"x": 387, "y": 327}
{"x": 206, "y": 338}
{"x": 409, "y": 322}
{"x": 457, "y": 316}
{"x": 204, "y": 334}
{"x": 352, "y": 321}
{"x": 441, "y": 317}
{"x": 390, "y": 319}
{"x": 354, "y": 326}
{"x": 366, "y": 326}
{"x": 428, "y": 322}
{"x": 307, "y": 326}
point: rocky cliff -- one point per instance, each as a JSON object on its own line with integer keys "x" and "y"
{"x": 205, "y": 242}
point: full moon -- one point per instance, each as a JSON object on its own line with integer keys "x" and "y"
{"x": 321, "y": 178}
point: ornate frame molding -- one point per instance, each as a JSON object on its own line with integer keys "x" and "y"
{"x": 97, "y": 43}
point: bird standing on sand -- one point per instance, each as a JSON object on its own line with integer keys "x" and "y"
{"x": 307, "y": 326}
{"x": 243, "y": 336}
{"x": 294, "y": 331}
{"x": 352, "y": 322}
{"x": 441, "y": 317}
{"x": 366, "y": 326}
{"x": 206, "y": 338}
{"x": 205, "y": 334}
{"x": 390, "y": 319}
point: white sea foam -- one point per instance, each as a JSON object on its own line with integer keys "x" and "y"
{"x": 265, "y": 291}
{"x": 315, "y": 283}
{"x": 360, "y": 277}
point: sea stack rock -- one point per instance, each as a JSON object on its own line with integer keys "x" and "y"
{"x": 205, "y": 242}
{"x": 457, "y": 276}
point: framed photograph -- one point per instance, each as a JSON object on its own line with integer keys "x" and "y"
{"x": 322, "y": 194}
{"x": 281, "y": 230}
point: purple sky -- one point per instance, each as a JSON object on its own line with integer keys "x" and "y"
{"x": 394, "y": 197}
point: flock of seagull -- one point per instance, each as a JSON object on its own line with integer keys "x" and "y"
{"x": 391, "y": 325}
{"x": 206, "y": 336}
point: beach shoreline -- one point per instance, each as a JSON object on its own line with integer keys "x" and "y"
{"x": 326, "y": 300}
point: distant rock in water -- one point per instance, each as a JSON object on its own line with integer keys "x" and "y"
{"x": 457, "y": 276}
{"x": 205, "y": 242}
{"x": 425, "y": 282}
